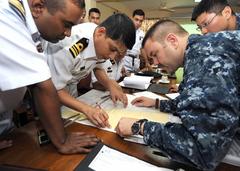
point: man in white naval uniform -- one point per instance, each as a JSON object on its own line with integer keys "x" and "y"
{"x": 23, "y": 64}
{"x": 86, "y": 50}
{"x": 132, "y": 60}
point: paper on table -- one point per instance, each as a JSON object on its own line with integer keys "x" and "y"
{"x": 136, "y": 81}
{"x": 109, "y": 159}
{"x": 118, "y": 111}
{"x": 115, "y": 112}
{"x": 67, "y": 112}
{"x": 172, "y": 95}
{"x": 150, "y": 95}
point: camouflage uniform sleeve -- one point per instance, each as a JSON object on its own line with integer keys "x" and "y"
{"x": 208, "y": 107}
{"x": 168, "y": 106}
{"x": 203, "y": 137}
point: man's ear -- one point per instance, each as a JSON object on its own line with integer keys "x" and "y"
{"x": 100, "y": 31}
{"x": 37, "y": 7}
{"x": 227, "y": 12}
{"x": 172, "y": 40}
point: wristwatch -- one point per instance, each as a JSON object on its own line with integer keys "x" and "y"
{"x": 136, "y": 127}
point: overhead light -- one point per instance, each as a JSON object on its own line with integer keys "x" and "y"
{"x": 197, "y": 0}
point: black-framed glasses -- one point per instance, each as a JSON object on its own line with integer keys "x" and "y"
{"x": 206, "y": 24}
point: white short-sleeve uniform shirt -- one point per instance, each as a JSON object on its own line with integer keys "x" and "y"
{"x": 135, "y": 51}
{"x": 66, "y": 69}
{"x": 20, "y": 62}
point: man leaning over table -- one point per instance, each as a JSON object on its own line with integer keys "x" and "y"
{"x": 85, "y": 51}
{"x": 23, "y": 64}
{"x": 208, "y": 104}
{"x": 214, "y": 16}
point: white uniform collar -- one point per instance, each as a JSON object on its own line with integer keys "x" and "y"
{"x": 30, "y": 23}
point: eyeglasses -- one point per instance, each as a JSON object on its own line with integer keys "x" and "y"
{"x": 206, "y": 24}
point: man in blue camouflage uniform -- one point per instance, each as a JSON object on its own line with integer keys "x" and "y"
{"x": 214, "y": 16}
{"x": 208, "y": 104}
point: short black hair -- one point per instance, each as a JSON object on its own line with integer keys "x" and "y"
{"x": 96, "y": 10}
{"x": 56, "y": 5}
{"x": 120, "y": 27}
{"x": 209, "y": 6}
{"x": 138, "y": 12}
{"x": 161, "y": 28}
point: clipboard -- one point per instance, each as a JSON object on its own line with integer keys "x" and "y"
{"x": 98, "y": 159}
{"x": 83, "y": 165}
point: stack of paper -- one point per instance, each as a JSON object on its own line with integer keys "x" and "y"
{"x": 137, "y": 82}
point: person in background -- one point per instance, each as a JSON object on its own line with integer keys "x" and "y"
{"x": 73, "y": 58}
{"x": 24, "y": 24}
{"x": 82, "y": 18}
{"x": 131, "y": 59}
{"x": 84, "y": 84}
{"x": 94, "y": 15}
{"x": 214, "y": 16}
{"x": 208, "y": 104}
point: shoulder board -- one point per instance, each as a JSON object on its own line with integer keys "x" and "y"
{"x": 17, "y": 7}
{"x": 78, "y": 47}
{"x": 112, "y": 61}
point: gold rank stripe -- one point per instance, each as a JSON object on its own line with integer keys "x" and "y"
{"x": 73, "y": 51}
{"x": 76, "y": 49}
{"x": 19, "y": 7}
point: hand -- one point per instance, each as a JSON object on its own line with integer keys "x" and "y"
{"x": 5, "y": 144}
{"x": 173, "y": 88}
{"x": 97, "y": 116}
{"x": 124, "y": 126}
{"x": 143, "y": 102}
{"x": 78, "y": 142}
{"x": 117, "y": 94}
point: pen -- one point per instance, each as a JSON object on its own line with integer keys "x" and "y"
{"x": 69, "y": 122}
{"x": 106, "y": 96}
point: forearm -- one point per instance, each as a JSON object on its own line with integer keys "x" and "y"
{"x": 67, "y": 100}
{"x": 48, "y": 108}
{"x": 202, "y": 144}
{"x": 168, "y": 106}
{"x": 102, "y": 78}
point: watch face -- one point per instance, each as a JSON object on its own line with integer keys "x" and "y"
{"x": 135, "y": 128}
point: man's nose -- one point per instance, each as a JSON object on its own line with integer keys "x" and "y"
{"x": 204, "y": 30}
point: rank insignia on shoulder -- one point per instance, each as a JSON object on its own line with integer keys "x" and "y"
{"x": 112, "y": 61}
{"x": 78, "y": 47}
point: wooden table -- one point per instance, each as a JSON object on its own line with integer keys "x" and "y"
{"x": 26, "y": 151}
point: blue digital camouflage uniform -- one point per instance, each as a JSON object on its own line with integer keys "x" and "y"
{"x": 208, "y": 104}
{"x": 238, "y": 21}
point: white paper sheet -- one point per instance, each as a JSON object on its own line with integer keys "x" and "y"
{"x": 109, "y": 159}
{"x": 136, "y": 81}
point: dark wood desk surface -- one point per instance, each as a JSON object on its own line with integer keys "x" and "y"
{"x": 26, "y": 151}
